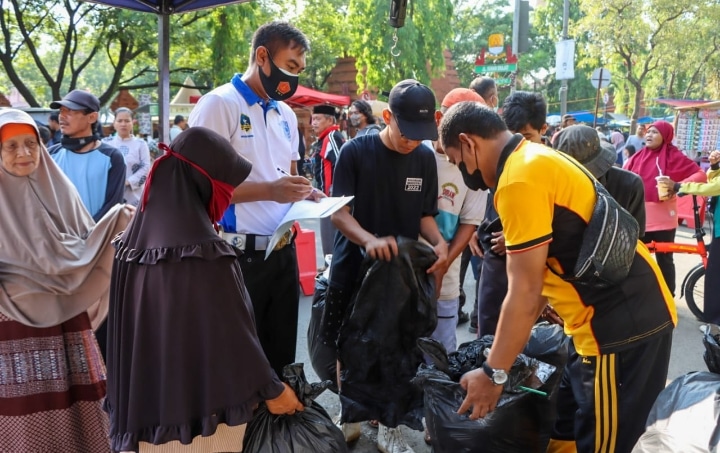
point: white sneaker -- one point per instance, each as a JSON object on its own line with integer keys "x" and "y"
{"x": 351, "y": 431}
{"x": 391, "y": 440}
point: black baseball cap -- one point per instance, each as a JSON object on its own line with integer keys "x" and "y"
{"x": 413, "y": 106}
{"x": 78, "y": 100}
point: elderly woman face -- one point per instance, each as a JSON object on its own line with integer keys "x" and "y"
{"x": 20, "y": 154}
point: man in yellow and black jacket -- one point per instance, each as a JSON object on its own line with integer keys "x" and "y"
{"x": 622, "y": 334}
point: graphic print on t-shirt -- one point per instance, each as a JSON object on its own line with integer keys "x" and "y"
{"x": 413, "y": 184}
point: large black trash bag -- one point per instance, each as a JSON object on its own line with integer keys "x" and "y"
{"x": 323, "y": 357}
{"x": 686, "y": 414}
{"x": 309, "y": 431}
{"x": 394, "y": 306}
{"x": 521, "y": 422}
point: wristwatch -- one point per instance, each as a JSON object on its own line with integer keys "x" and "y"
{"x": 498, "y": 377}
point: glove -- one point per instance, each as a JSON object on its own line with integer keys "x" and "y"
{"x": 286, "y": 403}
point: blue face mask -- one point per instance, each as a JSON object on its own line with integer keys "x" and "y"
{"x": 475, "y": 180}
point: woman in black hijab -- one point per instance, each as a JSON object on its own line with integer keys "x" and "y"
{"x": 184, "y": 359}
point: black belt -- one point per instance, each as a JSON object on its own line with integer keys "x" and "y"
{"x": 256, "y": 242}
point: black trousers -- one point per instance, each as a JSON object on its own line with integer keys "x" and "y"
{"x": 712, "y": 283}
{"x": 664, "y": 260}
{"x": 466, "y": 260}
{"x": 327, "y": 235}
{"x": 274, "y": 288}
{"x": 604, "y": 401}
{"x": 492, "y": 288}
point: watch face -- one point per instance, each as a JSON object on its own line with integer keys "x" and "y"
{"x": 499, "y": 377}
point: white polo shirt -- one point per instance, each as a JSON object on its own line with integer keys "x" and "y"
{"x": 265, "y": 133}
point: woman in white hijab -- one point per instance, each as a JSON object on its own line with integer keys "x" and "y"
{"x": 55, "y": 265}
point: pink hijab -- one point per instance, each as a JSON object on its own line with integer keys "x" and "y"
{"x": 673, "y": 162}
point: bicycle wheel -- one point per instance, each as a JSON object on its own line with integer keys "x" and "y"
{"x": 694, "y": 290}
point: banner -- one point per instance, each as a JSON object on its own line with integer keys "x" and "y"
{"x": 565, "y": 59}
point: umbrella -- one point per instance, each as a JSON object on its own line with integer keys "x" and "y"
{"x": 163, "y": 9}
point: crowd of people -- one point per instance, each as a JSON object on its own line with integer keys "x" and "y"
{"x": 159, "y": 271}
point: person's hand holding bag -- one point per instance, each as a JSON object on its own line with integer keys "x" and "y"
{"x": 287, "y": 403}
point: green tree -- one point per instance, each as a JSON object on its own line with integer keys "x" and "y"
{"x": 472, "y": 24}
{"x": 231, "y": 27}
{"x": 546, "y": 31}
{"x": 49, "y": 46}
{"x": 420, "y": 42}
{"x": 325, "y": 22}
{"x": 635, "y": 45}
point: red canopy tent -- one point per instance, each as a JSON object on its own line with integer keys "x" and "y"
{"x": 307, "y": 97}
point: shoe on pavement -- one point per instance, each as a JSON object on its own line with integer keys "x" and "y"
{"x": 473, "y": 328}
{"x": 351, "y": 431}
{"x": 463, "y": 318}
{"x": 391, "y": 440}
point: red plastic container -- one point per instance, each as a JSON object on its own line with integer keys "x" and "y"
{"x": 307, "y": 260}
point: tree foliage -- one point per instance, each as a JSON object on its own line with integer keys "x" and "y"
{"x": 653, "y": 48}
{"x": 420, "y": 42}
{"x": 325, "y": 22}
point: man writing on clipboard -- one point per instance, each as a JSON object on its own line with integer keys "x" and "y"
{"x": 249, "y": 112}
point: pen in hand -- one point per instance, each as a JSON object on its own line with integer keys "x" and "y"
{"x": 314, "y": 190}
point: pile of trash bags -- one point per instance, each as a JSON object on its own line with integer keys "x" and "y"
{"x": 394, "y": 306}
{"x": 522, "y": 421}
{"x": 308, "y": 431}
{"x": 686, "y": 414}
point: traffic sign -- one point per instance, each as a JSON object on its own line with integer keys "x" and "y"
{"x": 495, "y": 68}
{"x": 600, "y": 78}
{"x": 503, "y": 81}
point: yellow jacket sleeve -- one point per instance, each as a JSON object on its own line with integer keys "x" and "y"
{"x": 709, "y": 189}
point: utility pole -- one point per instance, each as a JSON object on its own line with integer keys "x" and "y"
{"x": 521, "y": 34}
{"x": 563, "y": 83}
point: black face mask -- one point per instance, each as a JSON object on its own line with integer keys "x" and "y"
{"x": 473, "y": 181}
{"x": 280, "y": 84}
{"x": 76, "y": 143}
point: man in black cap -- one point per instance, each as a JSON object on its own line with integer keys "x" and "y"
{"x": 96, "y": 169}
{"x": 325, "y": 152}
{"x": 393, "y": 178}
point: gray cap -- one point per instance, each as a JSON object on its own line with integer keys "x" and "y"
{"x": 78, "y": 100}
{"x": 582, "y": 143}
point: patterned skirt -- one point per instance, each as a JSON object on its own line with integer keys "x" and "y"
{"x": 52, "y": 383}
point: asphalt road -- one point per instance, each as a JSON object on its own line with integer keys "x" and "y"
{"x": 687, "y": 349}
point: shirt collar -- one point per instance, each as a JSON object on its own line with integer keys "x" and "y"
{"x": 251, "y": 97}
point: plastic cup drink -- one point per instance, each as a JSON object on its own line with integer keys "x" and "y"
{"x": 664, "y": 193}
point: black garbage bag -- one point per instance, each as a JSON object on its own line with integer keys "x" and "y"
{"x": 394, "y": 306}
{"x": 522, "y": 421}
{"x": 686, "y": 414}
{"x": 323, "y": 357}
{"x": 711, "y": 341}
{"x": 309, "y": 431}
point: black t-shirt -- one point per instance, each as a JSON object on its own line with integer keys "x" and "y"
{"x": 392, "y": 192}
